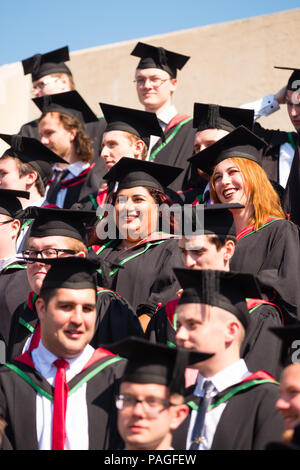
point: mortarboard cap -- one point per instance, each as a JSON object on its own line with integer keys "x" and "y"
{"x": 159, "y": 58}
{"x": 9, "y": 202}
{"x": 40, "y": 65}
{"x": 212, "y": 219}
{"x": 156, "y": 363}
{"x": 288, "y": 334}
{"x": 227, "y": 290}
{"x": 74, "y": 272}
{"x": 241, "y": 143}
{"x": 140, "y": 123}
{"x": 213, "y": 116}
{"x": 32, "y": 151}
{"x": 129, "y": 173}
{"x": 58, "y": 222}
{"x": 294, "y": 80}
{"x": 69, "y": 102}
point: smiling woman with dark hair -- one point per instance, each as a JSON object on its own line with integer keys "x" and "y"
{"x": 267, "y": 243}
{"x": 143, "y": 256}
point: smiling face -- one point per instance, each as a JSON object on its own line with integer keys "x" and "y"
{"x": 67, "y": 321}
{"x": 154, "y": 88}
{"x": 289, "y": 402}
{"x": 229, "y": 183}
{"x": 136, "y": 213}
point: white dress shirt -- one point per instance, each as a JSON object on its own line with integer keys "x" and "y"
{"x": 77, "y": 437}
{"x": 264, "y": 107}
{"x": 164, "y": 117}
{"x": 227, "y": 377}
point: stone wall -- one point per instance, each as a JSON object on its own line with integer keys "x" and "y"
{"x": 231, "y": 63}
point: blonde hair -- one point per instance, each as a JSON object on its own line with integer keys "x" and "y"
{"x": 261, "y": 194}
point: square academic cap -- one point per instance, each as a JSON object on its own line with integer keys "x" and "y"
{"x": 40, "y": 65}
{"x": 159, "y": 58}
{"x": 212, "y": 219}
{"x": 294, "y": 80}
{"x": 154, "y": 363}
{"x": 9, "y": 202}
{"x": 227, "y": 290}
{"x": 58, "y": 222}
{"x": 213, "y": 116}
{"x": 140, "y": 123}
{"x": 72, "y": 272}
{"x": 130, "y": 172}
{"x": 69, "y": 102}
{"x": 288, "y": 334}
{"x": 32, "y": 151}
{"x": 241, "y": 143}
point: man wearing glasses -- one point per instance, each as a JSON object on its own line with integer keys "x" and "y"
{"x": 156, "y": 82}
{"x": 150, "y": 402}
{"x": 63, "y": 391}
{"x": 57, "y": 233}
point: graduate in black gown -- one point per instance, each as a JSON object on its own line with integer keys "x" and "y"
{"x": 239, "y": 410}
{"x": 130, "y": 237}
{"x": 50, "y": 74}
{"x": 127, "y": 134}
{"x": 212, "y": 122}
{"x": 280, "y": 159}
{"x": 266, "y": 241}
{"x": 61, "y": 395}
{"x": 156, "y": 373}
{"x": 156, "y": 80}
{"x": 211, "y": 245}
{"x": 14, "y": 286}
{"x": 62, "y": 129}
{"x": 59, "y": 232}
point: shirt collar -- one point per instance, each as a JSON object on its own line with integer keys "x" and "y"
{"x": 166, "y": 115}
{"x": 43, "y": 360}
{"x": 225, "y": 378}
{"x": 77, "y": 167}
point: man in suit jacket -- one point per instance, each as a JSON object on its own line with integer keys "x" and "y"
{"x": 240, "y": 411}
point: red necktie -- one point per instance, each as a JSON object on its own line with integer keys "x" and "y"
{"x": 59, "y": 405}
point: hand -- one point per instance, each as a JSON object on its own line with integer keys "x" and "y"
{"x": 280, "y": 95}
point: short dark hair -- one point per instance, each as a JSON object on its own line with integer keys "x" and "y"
{"x": 220, "y": 240}
{"x": 24, "y": 169}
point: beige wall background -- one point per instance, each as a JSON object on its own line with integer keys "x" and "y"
{"x": 231, "y": 64}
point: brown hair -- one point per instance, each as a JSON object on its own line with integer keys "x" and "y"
{"x": 24, "y": 169}
{"x": 261, "y": 193}
{"x": 82, "y": 143}
{"x": 62, "y": 75}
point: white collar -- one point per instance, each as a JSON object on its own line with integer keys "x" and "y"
{"x": 77, "y": 167}
{"x": 167, "y": 114}
{"x": 38, "y": 203}
{"x": 43, "y": 360}
{"x": 225, "y": 378}
{"x": 4, "y": 262}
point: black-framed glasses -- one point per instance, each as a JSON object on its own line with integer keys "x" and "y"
{"x": 152, "y": 406}
{"x": 31, "y": 255}
{"x": 156, "y": 82}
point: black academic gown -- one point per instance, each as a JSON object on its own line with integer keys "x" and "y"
{"x": 146, "y": 276}
{"x": 176, "y": 149}
{"x": 249, "y": 421}
{"x": 18, "y": 401}
{"x": 115, "y": 320}
{"x": 14, "y": 289}
{"x": 274, "y": 247}
{"x": 260, "y": 349}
